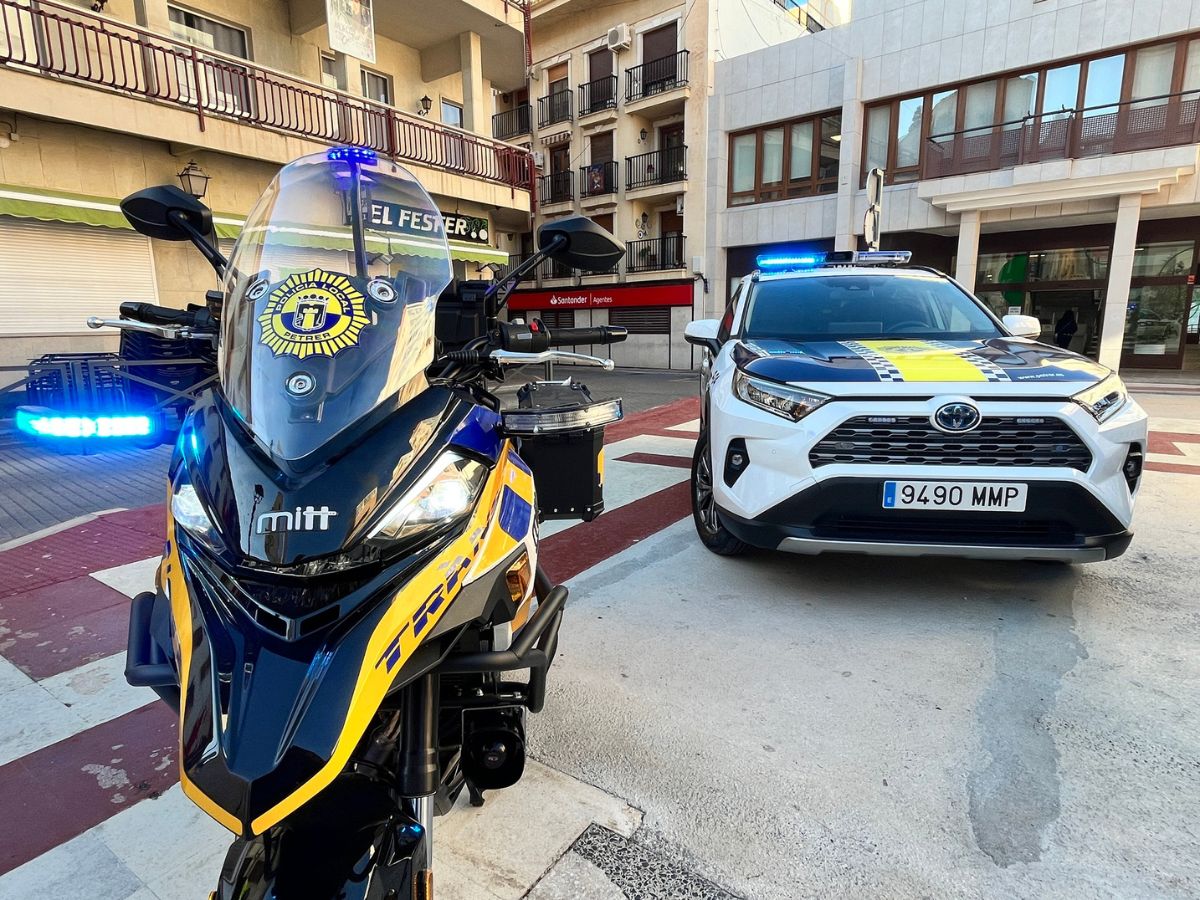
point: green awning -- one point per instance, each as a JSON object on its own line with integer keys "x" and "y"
{"x": 105, "y": 212}
{"x": 80, "y": 209}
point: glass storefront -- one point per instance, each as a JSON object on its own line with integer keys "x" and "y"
{"x": 1060, "y": 285}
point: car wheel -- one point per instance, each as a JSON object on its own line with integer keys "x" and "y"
{"x": 712, "y": 533}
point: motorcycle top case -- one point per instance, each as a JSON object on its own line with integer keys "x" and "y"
{"x": 568, "y": 466}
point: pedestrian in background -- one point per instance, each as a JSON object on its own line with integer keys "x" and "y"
{"x": 1065, "y": 329}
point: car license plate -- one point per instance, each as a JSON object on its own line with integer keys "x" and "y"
{"x": 992, "y": 496}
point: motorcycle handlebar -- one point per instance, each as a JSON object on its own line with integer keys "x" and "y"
{"x": 158, "y": 315}
{"x": 601, "y": 334}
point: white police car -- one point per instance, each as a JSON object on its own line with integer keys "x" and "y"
{"x": 853, "y": 402}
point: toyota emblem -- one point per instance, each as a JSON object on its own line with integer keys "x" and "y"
{"x": 956, "y": 418}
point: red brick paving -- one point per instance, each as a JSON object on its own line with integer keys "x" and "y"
{"x": 90, "y": 547}
{"x": 54, "y": 628}
{"x": 60, "y": 791}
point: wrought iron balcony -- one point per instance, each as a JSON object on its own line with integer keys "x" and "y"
{"x": 655, "y": 254}
{"x": 512, "y": 122}
{"x": 598, "y": 179}
{"x": 66, "y": 42}
{"x": 598, "y": 95}
{"x": 558, "y": 187}
{"x": 656, "y": 76}
{"x": 1145, "y": 124}
{"x": 554, "y": 108}
{"x": 656, "y": 167}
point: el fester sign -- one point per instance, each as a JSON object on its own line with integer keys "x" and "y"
{"x": 396, "y": 217}
{"x": 604, "y": 296}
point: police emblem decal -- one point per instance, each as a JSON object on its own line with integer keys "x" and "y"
{"x": 314, "y": 313}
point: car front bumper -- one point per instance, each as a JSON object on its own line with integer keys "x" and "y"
{"x": 1061, "y": 521}
{"x": 781, "y": 500}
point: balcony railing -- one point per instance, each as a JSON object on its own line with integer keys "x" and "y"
{"x": 598, "y": 179}
{"x": 656, "y": 167}
{"x": 598, "y": 95}
{"x": 558, "y": 187}
{"x": 512, "y": 122}
{"x": 1145, "y": 124}
{"x": 655, "y": 254}
{"x": 70, "y": 44}
{"x": 551, "y": 268}
{"x": 656, "y": 76}
{"x": 554, "y": 108}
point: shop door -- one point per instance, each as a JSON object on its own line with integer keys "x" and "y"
{"x": 1084, "y": 306}
{"x": 1156, "y": 318}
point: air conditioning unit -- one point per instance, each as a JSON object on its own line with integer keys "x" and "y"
{"x": 539, "y": 159}
{"x": 619, "y": 37}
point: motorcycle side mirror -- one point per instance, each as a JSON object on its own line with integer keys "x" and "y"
{"x": 167, "y": 213}
{"x": 580, "y": 243}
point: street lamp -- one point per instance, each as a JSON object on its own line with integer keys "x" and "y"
{"x": 426, "y": 104}
{"x": 194, "y": 179}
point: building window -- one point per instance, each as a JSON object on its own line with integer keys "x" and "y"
{"x": 1143, "y": 98}
{"x": 329, "y": 74}
{"x": 452, "y": 114}
{"x": 209, "y": 33}
{"x": 641, "y": 319}
{"x": 789, "y": 159}
{"x": 376, "y": 86}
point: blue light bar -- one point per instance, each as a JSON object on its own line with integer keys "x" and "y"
{"x": 47, "y": 424}
{"x": 790, "y": 261}
{"x": 352, "y": 154}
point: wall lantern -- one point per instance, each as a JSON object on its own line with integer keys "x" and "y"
{"x": 194, "y": 180}
{"x": 426, "y": 104}
{"x": 642, "y": 137}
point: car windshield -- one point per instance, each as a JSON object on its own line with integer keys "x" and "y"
{"x": 865, "y": 307}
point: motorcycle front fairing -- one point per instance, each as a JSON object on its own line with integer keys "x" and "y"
{"x": 285, "y": 666}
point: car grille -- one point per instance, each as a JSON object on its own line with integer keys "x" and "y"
{"x": 1041, "y": 441}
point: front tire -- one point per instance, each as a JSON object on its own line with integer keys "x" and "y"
{"x": 712, "y": 533}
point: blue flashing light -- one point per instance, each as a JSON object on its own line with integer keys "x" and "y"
{"x": 50, "y": 425}
{"x": 790, "y": 261}
{"x": 353, "y": 154}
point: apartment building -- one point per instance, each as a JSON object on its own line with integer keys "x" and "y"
{"x": 1044, "y": 152}
{"x": 615, "y": 115}
{"x": 99, "y": 99}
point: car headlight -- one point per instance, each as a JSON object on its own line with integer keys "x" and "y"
{"x": 1104, "y": 398}
{"x": 780, "y": 399}
{"x": 446, "y": 493}
{"x": 189, "y": 513}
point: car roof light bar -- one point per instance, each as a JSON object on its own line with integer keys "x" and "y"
{"x": 796, "y": 261}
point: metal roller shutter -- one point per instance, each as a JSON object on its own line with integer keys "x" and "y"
{"x": 642, "y": 319}
{"x": 53, "y": 276}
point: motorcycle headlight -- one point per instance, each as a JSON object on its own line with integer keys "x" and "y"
{"x": 1104, "y": 398}
{"x": 446, "y": 493}
{"x": 780, "y": 399}
{"x": 189, "y": 513}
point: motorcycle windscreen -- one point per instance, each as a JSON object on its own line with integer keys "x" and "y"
{"x": 329, "y": 298}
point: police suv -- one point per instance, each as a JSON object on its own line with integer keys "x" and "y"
{"x": 853, "y": 402}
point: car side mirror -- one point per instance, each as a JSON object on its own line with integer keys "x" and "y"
{"x": 167, "y": 213}
{"x": 580, "y": 243}
{"x": 1023, "y": 326}
{"x": 703, "y": 333}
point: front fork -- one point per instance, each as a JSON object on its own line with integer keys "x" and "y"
{"x": 419, "y": 772}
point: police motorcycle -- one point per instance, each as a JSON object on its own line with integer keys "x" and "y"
{"x": 351, "y": 563}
